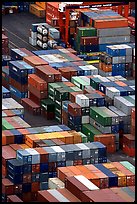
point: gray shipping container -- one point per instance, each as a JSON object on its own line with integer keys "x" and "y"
{"x": 116, "y": 39}
{"x": 113, "y": 32}
{"x": 122, "y": 116}
{"x": 93, "y": 150}
{"x": 69, "y": 152}
{"x": 104, "y": 74}
{"x": 123, "y": 104}
{"x": 101, "y": 128}
{"x": 85, "y": 150}
{"x": 52, "y": 154}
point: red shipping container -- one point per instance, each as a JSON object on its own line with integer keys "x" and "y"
{"x": 74, "y": 109}
{"x": 37, "y": 93}
{"x": 46, "y": 75}
{"x": 37, "y": 82}
{"x": 89, "y": 40}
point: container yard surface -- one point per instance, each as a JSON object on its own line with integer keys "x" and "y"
{"x": 18, "y": 37}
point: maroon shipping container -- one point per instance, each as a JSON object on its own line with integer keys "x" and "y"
{"x": 58, "y": 142}
{"x": 31, "y": 106}
{"x": 74, "y": 109}
{"x": 7, "y": 187}
{"x": 89, "y": 41}
{"x": 43, "y": 154}
{"x": 34, "y": 98}
{"x": 5, "y": 51}
{"x": 5, "y": 40}
{"x": 64, "y": 118}
{"x": 44, "y": 74}
{"x": 48, "y": 74}
{"x": 102, "y": 195}
{"x": 13, "y": 198}
{"x": 68, "y": 195}
{"x": 75, "y": 187}
{"x": 17, "y": 85}
{"x": 7, "y": 153}
{"x": 15, "y": 146}
{"x": 45, "y": 196}
{"x": 37, "y": 93}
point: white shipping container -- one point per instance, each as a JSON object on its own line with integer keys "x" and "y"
{"x": 86, "y": 182}
{"x": 85, "y": 119}
{"x": 11, "y": 104}
{"x": 35, "y": 155}
{"x": 55, "y": 183}
{"x": 82, "y": 100}
{"x": 33, "y": 35}
{"x": 32, "y": 41}
{"x": 58, "y": 195}
{"x": 111, "y": 92}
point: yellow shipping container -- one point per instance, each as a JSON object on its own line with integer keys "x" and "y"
{"x": 41, "y": 4}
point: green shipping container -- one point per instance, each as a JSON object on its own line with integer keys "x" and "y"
{"x": 6, "y": 125}
{"x": 94, "y": 82}
{"x": 83, "y": 137}
{"x": 52, "y": 87}
{"x": 86, "y": 31}
{"x": 90, "y": 131}
{"x": 48, "y": 105}
{"x": 129, "y": 166}
{"x": 99, "y": 114}
{"x": 61, "y": 94}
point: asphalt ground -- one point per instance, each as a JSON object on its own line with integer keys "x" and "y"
{"x": 17, "y": 28}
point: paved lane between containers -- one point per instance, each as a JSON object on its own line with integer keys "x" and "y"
{"x": 19, "y": 38}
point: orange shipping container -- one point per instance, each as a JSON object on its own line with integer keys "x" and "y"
{"x": 42, "y": 4}
{"x": 34, "y": 61}
{"x": 111, "y": 23}
{"x": 37, "y": 10}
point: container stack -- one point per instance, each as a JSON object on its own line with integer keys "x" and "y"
{"x": 86, "y": 40}
{"x": 109, "y": 28}
{"x": 33, "y": 32}
{"x": 129, "y": 139}
{"x": 18, "y": 78}
{"x": 117, "y": 60}
{"x": 29, "y": 169}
